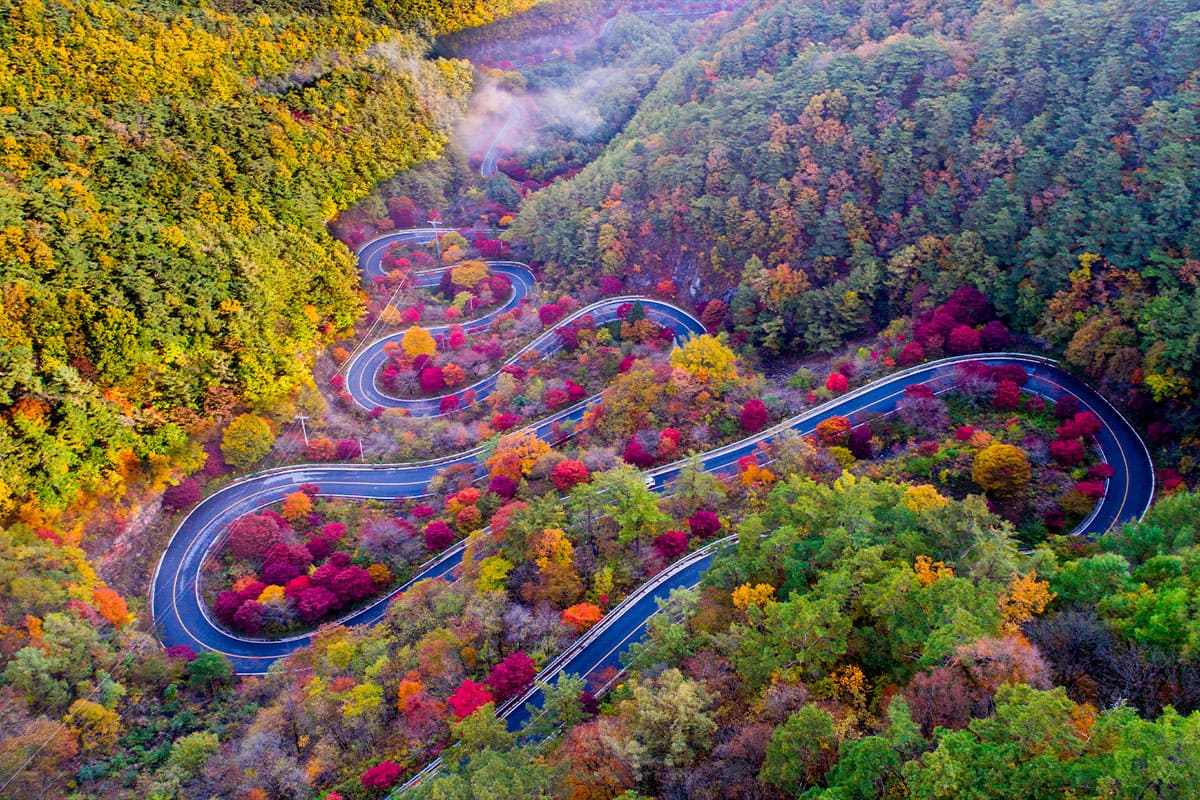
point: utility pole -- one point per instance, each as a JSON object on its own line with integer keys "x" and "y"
{"x": 436, "y": 239}
{"x": 361, "y": 458}
{"x": 303, "y": 427}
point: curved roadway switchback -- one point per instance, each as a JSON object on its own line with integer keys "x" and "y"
{"x": 180, "y": 616}
{"x": 178, "y": 608}
{"x": 364, "y": 365}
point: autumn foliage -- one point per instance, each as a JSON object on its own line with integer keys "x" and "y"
{"x": 568, "y": 473}
{"x": 467, "y": 698}
{"x": 381, "y": 776}
{"x": 1002, "y": 469}
{"x": 510, "y": 676}
{"x": 252, "y": 534}
{"x": 754, "y": 416}
{"x": 582, "y": 616}
{"x": 418, "y": 342}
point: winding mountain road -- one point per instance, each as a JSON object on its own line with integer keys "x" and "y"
{"x": 181, "y": 618}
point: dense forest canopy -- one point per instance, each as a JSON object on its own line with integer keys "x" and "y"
{"x": 167, "y": 173}
{"x": 834, "y": 166}
{"x": 836, "y": 188}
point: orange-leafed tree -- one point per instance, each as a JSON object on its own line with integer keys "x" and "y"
{"x": 296, "y": 505}
{"x": 1025, "y": 598}
{"x": 453, "y": 374}
{"x": 602, "y": 764}
{"x": 834, "y": 432}
{"x": 516, "y": 454}
{"x": 929, "y": 571}
{"x": 111, "y": 606}
{"x": 582, "y": 616}
{"x": 746, "y": 595}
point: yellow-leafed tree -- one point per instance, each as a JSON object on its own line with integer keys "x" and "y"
{"x": 418, "y": 342}
{"x": 1001, "y": 469}
{"x": 707, "y": 358}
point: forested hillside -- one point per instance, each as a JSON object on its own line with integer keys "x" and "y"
{"x": 744, "y": 216}
{"x": 832, "y": 167}
{"x": 167, "y": 170}
{"x": 868, "y": 640}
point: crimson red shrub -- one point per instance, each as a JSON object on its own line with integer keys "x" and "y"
{"x": 438, "y": 536}
{"x": 324, "y": 574}
{"x": 569, "y": 473}
{"x": 248, "y": 617}
{"x": 381, "y": 776}
{"x": 317, "y": 547}
{"x": 352, "y": 584}
{"x": 500, "y": 285}
{"x": 555, "y": 399}
{"x": 226, "y": 604}
{"x": 859, "y": 443}
{"x": 550, "y": 314}
{"x": 180, "y": 652}
{"x": 912, "y": 353}
{"x": 963, "y": 339}
{"x": 1007, "y": 397}
{"x": 754, "y": 416}
{"x": 1069, "y": 430}
{"x": 636, "y": 455}
{"x": 279, "y": 573}
{"x": 468, "y": 697}
{"x": 296, "y": 555}
{"x": 1068, "y": 452}
{"x": 502, "y": 485}
{"x": 251, "y": 535}
{"x": 177, "y": 498}
{"x": 704, "y": 524}
{"x": 568, "y": 337}
{"x": 1087, "y": 422}
{"x": 504, "y": 422}
{"x": 1066, "y": 407}
{"x": 315, "y": 602}
{"x": 511, "y": 675}
{"x": 671, "y": 544}
{"x": 1010, "y": 372}
{"x": 295, "y": 586}
{"x": 995, "y": 336}
{"x": 252, "y": 590}
{"x": 837, "y": 382}
{"x": 432, "y": 380}
{"x": 969, "y": 304}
